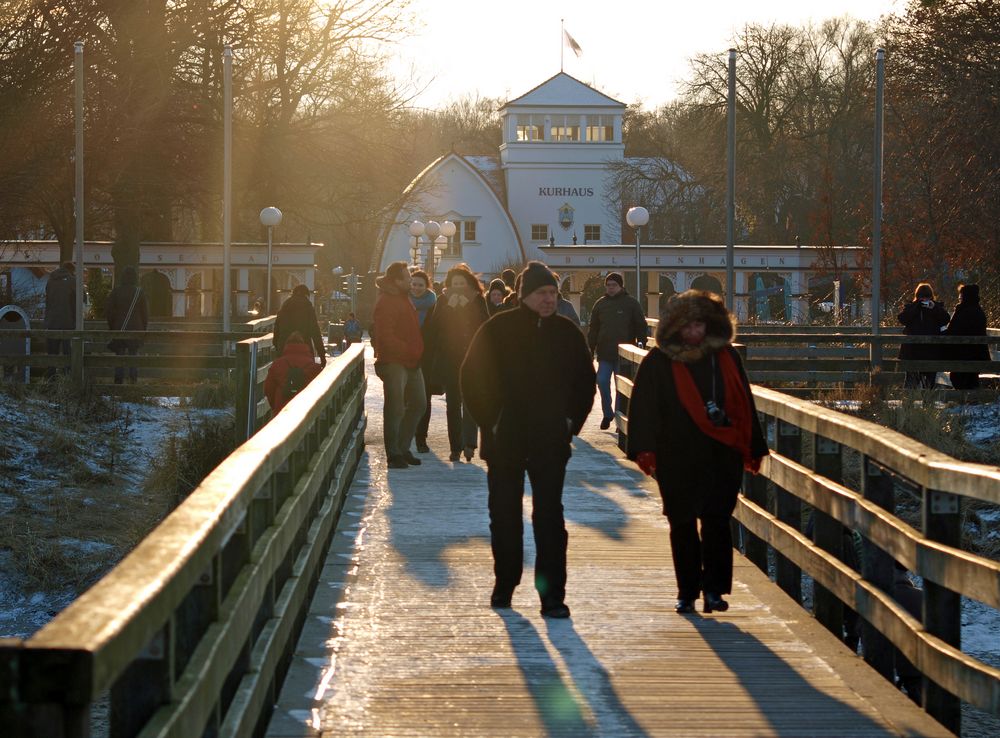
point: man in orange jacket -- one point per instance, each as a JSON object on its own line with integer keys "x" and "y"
{"x": 291, "y": 372}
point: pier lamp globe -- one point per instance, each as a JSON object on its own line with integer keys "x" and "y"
{"x": 637, "y": 217}
{"x": 269, "y": 217}
{"x": 416, "y": 230}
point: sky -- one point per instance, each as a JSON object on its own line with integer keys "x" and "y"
{"x": 633, "y": 50}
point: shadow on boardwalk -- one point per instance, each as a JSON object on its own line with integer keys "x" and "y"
{"x": 586, "y": 706}
{"x": 773, "y": 685}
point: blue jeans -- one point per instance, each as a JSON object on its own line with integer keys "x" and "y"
{"x": 404, "y": 404}
{"x": 605, "y": 369}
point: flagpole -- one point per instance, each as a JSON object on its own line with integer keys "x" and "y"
{"x": 562, "y": 41}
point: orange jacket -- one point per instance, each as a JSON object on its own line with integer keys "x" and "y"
{"x": 295, "y": 354}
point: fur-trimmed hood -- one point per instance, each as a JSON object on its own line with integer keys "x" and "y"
{"x": 720, "y": 325}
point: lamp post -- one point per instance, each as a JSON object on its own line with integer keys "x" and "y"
{"x": 269, "y": 217}
{"x": 637, "y": 217}
{"x": 437, "y": 239}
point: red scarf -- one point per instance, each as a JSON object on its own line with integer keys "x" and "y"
{"x": 737, "y": 405}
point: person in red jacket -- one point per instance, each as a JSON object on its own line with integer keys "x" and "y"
{"x": 399, "y": 347}
{"x": 291, "y": 372}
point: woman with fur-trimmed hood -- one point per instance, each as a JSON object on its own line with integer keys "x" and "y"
{"x": 693, "y": 426}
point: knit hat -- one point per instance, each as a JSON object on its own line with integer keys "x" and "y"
{"x": 536, "y": 275}
{"x": 498, "y": 284}
{"x": 615, "y": 277}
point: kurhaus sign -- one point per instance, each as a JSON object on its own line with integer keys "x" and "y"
{"x": 565, "y": 191}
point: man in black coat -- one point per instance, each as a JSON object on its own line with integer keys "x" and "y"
{"x": 60, "y": 306}
{"x": 616, "y": 318}
{"x": 529, "y": 383}
{"x": 298, "y": 314}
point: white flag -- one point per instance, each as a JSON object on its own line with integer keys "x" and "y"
{"x": 571, "y": 42}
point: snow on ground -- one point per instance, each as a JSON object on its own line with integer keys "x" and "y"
{"x": 35, "y": 479}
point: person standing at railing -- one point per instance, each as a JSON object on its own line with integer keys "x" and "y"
{"x": 616, "y": 318}
{"x": 693, "y": 425}
{"x": 60, "y": 308}
{"x": 298, "y": 314}
{"x": 968, "y": 320}
{"x": 924, "y": 316}
{"x": 127, "y": 310}
{"x": 399, "y": 347}
{"x": 529, "y": 382}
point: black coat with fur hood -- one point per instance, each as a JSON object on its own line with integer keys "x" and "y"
{"x": 692, "y": 468}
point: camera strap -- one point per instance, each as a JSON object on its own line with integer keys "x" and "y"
{"x": 713, "y": 381}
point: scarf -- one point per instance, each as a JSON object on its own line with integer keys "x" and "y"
{"x": 737, "y": 405}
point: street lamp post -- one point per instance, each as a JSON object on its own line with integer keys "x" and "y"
{"x": 637, "y": 217}
{"x": 437, "y": 239}
{"x": 269, "y": 217}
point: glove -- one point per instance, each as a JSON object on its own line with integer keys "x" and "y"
{"x": 647, "y": 462}
{"x": 753, "y": 466}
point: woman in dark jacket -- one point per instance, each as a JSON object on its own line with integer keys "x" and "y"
{"x": 448, "y": 331}
{"x": 922, "y": 317}
{"x": 968, "y": 320}
{"x": 127, "y": 310}
{"x": 693, "y": 425}
{"x": 495, "y": 296}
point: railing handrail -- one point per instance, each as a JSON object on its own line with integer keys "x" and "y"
{"x": 105, "y": 629}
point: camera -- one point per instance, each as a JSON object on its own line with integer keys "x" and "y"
{"x": 716, "y": 415}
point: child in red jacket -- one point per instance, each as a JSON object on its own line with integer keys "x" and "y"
{"x": 289, "y": 374}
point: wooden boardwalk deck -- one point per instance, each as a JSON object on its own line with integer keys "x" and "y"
{"x": 401, "y": 641}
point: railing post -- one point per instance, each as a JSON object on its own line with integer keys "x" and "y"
{"x": 877, "y": 567}
{"x": 76, "y": 360}
{"x": 245, "y": 406}
{"x": 828, "y": 534}
{"x": 142, "y": 688}
{"x": 788, "y": 439}
{"x": 942, "y": 607}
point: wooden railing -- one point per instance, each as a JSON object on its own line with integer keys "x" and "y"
{"x": 253, "y": 360}
{"x": 192, "y": 632}
{"x": 811, "y": 447}
{"x": 818, "y": 356}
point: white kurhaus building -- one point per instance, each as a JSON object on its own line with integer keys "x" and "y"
{"x": 547, "y": 185}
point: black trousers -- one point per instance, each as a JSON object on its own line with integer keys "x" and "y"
{"x": 506, "y": 491}
{"x": 703, "y": 560}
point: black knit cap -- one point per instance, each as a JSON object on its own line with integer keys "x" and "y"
{"x": 615, "y": 277}
{"x": 536, "y": 275}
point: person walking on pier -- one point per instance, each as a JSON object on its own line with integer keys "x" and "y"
{"x": 968, "y": 320}
{"x": 616, "y": 318}
{"x": 529, "y": 382}
{"x": 298, "y": 314}
{"x": 694, "y": 427}
{"x": 449, "y": 329}
{"x": 398, "y": 349}
{"x": 924, "y": 316}
{"x": 290, "y": 373}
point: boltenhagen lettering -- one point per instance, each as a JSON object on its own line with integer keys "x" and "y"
{"x": 565, "y": 191}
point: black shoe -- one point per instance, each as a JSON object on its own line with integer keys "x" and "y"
{"x": 455, "y": 456}
{"x": 469, "y": 452}
{"x": 605, "y": 423}
{"x": 683, "y": 607}
{"x": 398, "y": 462}
{"x": 423, "y": 448}
{"x": 411, "y": 459}
{"x": 500, "y": 599}
{"x": 556, "y": 610}
{"x": 714, "y": 602}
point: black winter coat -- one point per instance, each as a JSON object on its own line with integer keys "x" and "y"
{"x": 523, "y": 378}
{"x": 615, "y": 320}
{"x": 60, "y": 300}
{"x": 448, "y": 331}
{"x": 297, "y": 314}
{"x": 117, "y": 307}
{"x": 918, "y": 320}
{"x": 968, "y": 320}
{"x": 689, "y": 465}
